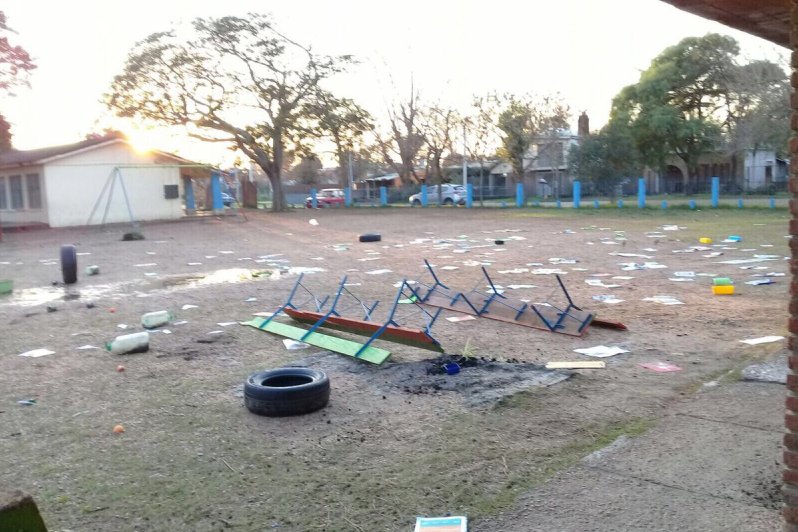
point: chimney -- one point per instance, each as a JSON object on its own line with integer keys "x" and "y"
{"x": 583, "y": 129}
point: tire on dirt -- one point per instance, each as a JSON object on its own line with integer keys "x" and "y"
{"x": 286, "y": 391}
{"x": 69, "y": 264}
{"x": 370, "y": 237}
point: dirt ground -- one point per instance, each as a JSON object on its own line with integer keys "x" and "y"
{"x": 393, "y": 442}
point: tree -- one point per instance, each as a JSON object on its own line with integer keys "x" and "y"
{"x": 345, "y": 123}
{"x": 676, "y": 107}
{"x": 521, "y": 120}
{"x": 405, "y": 139}
{"x": 603, "y": 159}
{"x": 481, "y": 137}
{"x": 306, "y": 171}
{"x": 15, "y": 66}
{"x": 437, "y": 127}
{"x": 232, "y": 80}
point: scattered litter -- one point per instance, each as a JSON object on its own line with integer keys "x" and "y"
{"x": 368, "y": 258}
{"x": 629, "y": 266}
{"x": 516, "y": 270}
{"x": 577, "y": 364}
{"x": 631, "y": 255}
{"x": 26, "y": 402}
{"x": 165, "y": 331}
{"x": 181, "y": 322}
{"x": 92, "y": 270}
{"x": 599, "y": 282}
{"x": 455, "y": 319}
{"x": 143, "y": 265}
{"x": 670, "y": 227}
{"x": 441, "y": 524}
{"x": 378, "y": 272}
{"x": 123, "y": 326}
{"x": 151, "y": 320}
{"x": 548, "y": 271}
{"x": 36, "y": 353}
{"x": 129, "y": 343}
{"x": 313, "y": 221}
{"x": 226, "y": 323}
{"x": 194, "y": 263}
{"x": 187, "y": 307}
{"x": 664, "y": 300}
{"x": 450, "y": 268}
{"x": 758, "y": 282}
{"x": 293, "y": 345}
{"x": 747, "y": 261}
{"x": 601, "y": 351}
{"x": 85, "y": 347}
{"x": 684, "y": 274}
{"x": 119, "y": 429}
{"x": 250, "y": 299}
{"x": 520, "y": 286}
{"x": 609, "y": 299}
{"x": 762, "y": 340}
{"x": 713, "y": 254}
{"x": 623, "y": 277}
{"x": 229, "y": 252}
{"x": 733, "y": 238}
{"x": 723, "y": 290}
{"x": 660, "y": 367}
{"x": 705, "y": 240}
{"x": 558, "y": 260}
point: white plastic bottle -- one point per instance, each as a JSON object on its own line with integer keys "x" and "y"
{"x": 151, "y": 320}
{"x": 130, "y": 343}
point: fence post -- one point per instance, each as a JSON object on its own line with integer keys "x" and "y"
{"x": 559, "y": 203}
{"x": 469, "y": 195}
{"x": 740, "y": 203}
{"x": 577, "y": 194}
{"x": 519, "y": 195}
{"x": 313, "y": 201}
{"x": 620, "y": 204}
{"x": 595, "y": 204}
{"x": 216, "y": 193}
{"x": 772, "y": 203}
{"x": 692, "y": 204}
{"x": 347, "y": 197}
{"x": 641, "y": 193}
{"x": 424, "y": 195}
{"x": 383, "y": 197}
{"x": 715, "y": 191}
{"x": 191, "y": 205}
{"x": 664, "y": 204}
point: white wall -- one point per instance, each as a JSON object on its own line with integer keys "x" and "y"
{"x": 755, "y": 164}
{"x": 74, "y": 184}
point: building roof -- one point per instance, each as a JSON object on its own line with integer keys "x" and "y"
{"x": 768, "y": 19}
{"x": 43, "y": 155}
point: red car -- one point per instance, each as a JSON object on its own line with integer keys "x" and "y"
{"x": 327, "y": 197}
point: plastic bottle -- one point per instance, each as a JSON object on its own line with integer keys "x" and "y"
{"x": 151, "y": 320}
{"x": 130, "y": 343}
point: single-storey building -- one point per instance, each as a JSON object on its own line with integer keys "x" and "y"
{"x": 61, "y": 186}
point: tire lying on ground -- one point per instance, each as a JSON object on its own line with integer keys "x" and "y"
{"x": 370, "y": 237}
{"x": 286, "y": 391}
{"x": 69, "y": 264}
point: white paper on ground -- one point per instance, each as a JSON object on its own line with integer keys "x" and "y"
{"x": 36, "y": 353}
{"x": 293, "y": 345}
{"x": 664, "y": 300}
{"x": 378, "y": 272}
{"x": 186, "y": 307}
{"x": 762, "y": 340}
{"x": 601, "y": 351}
{"x": 85, "y": 347}
{"x": 455, "y": 319}
{"x": 226, "y": 323}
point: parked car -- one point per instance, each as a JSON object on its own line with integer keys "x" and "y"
{"x": 326, "y": 197}
{"x": 227, "y": 199}
{"x": 449, "y": 196}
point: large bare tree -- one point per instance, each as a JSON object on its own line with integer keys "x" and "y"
{"x": 232, "y": 80}
{"x": 404, "y": 142}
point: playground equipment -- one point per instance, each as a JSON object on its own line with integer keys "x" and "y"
{"x": 327, "y": 314}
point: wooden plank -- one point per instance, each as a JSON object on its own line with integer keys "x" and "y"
{"x": 375, "y": 355}
{"x": 403, "y": 335}
{"x": 579, "y": 364}
{"x": 609, "y": 324}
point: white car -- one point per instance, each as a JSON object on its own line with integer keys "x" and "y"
{"x": 449, "y": 196}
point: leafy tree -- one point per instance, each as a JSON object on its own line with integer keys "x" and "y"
{"x": 521, "y": 120}
{"x": 604, "y": 158}
{"x": 232, "y": 80}
{"x": 15, "y": 66}
{"x": 676, "y": 107}
{"x": 306, "y": 171}
{"x": 345, "y": 123}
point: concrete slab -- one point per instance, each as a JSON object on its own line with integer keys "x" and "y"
{"x": 754, "y": 404}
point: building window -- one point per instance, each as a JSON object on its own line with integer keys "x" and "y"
{"x": 34, "y": 191}
{"x": 3, "y": 200}
{"x": 15, "y": 188}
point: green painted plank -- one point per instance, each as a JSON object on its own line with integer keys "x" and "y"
{"x": 375, "y": 355}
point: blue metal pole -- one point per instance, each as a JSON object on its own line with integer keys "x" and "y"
{"x": 519, "y": 195}
{"x": 383, "y": 196}
{"x": 423, "y": 195}
{"x": 595, "y": 204}
{"x": 715, "y": 191}
{"x": 216, "y": 192}
{"x": 620, "y": 204}
{"x": 740, "y": 203}
{"x": 692, "y": 204}
{"x": 772, "y": 203}
{"x": 641, "y": 193}
{"x": 191, "y": 204}
{"x": 664, "y": 204}
{"x": 348, "y": 197}
{"x": 313, "y": 201}
{"x": 577, "y": 194}
{"x": 469, "y": 195}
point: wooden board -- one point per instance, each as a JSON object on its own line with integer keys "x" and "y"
{"x": 375, "y": 355}
{"x": 575, "y": 324}
{"x": 609, "y": 324}
{"x": 403, "y": 335}
{"x": 579, "y": 364}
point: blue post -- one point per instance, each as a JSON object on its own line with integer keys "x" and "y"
{"x": 348, "y": 197}
{"x": 620, "y": 204}
{"x": 715, "y": 191}
{"x": 595, "y": 204}
{"x": 536, "y": 203}
{"x": 423, "y": 195}
{"x": 577, "y": 194}
{"x": 641, "y": 193}
{"x": 216, "y": 192}
{"x": 191, "y": 205}
{"x": 740, "y": 203}
{"x": 313, "y": 201}
{"x": 692, "y": 204}
{"x": 559, "y": 204}
{"x": 772, "y": 203}
{"x": 469, "y": 195}
{"x": 519, "y": 195}
{"x": 383, "y": 196}
{"x": 664, "y": 204}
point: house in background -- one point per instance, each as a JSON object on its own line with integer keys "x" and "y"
{"x": 59, "y": 186}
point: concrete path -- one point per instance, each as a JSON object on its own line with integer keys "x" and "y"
{"x": 713, "y": 463}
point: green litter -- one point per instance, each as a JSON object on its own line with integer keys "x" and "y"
{"x": 6, "y": 286}
{"x": 721, "y": 281}
{"x": 408, "y": 301}
{"x": 375, "y": 355}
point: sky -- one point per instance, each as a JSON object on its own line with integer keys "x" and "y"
{"x": 583, "y": 50}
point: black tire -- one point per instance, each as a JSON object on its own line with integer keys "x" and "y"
{"x": 370, "y": 237}
{"x": 416, "y": 203}
{"x": 286, "y": 391}
{"x": 69, "y": 264}
{"x": 448, "y": 201}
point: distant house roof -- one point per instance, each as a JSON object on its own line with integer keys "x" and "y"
{"x": 44, "y": 155}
